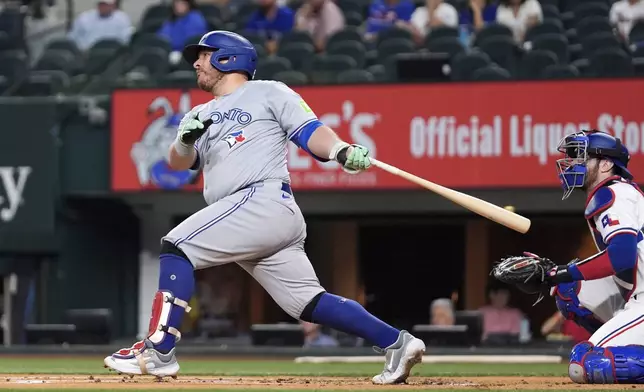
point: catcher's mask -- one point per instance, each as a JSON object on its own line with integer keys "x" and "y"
{"x": 579, "y": 147}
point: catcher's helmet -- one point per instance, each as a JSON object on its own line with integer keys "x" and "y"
{"x": 581, "y": 146}
{"x": 226, "y": 45}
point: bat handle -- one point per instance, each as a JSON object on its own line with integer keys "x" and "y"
{"x": 388, "y": 168}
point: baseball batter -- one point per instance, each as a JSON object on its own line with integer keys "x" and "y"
{"x": 600, "y": 293}
{"x": 239, "y": 141}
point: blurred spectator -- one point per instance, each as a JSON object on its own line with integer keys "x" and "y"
{"x": 442, "y": 312}
{"x": 104, "y": 22}
{"x": 499, "y": 318}
{"x": 314, "y": 337}
{"x": 624, "y": 14}
{"x": 519, "y": 16}
{"x": 434, "y": 13}
{"x": 384, "y": 14}
{"x": 475, "y": 17}
{"x": 185, "y": 22}
{"x": 557, "y": 324}
{"x": 272, "y": 21}
{"x": 320, "y": 18}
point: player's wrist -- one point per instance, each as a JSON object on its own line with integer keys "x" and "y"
{"x": 182, "y": 149}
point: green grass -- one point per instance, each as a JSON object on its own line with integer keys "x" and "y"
{"x": 93, "y": 365}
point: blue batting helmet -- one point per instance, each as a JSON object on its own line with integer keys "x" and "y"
{"x": 581, "y": 146}
{"x": 226, "y": 45}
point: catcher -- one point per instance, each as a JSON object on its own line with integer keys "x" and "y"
{"x": 599, "y": 293}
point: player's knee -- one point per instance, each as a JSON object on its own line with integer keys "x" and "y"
{"x": 307, "y": 313}
{"x": 576, "y": 368}
{"x": 168, "y": 247}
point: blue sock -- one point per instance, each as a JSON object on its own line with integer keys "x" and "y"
{"x": 176, "y": 276}
{"x": 349, "y": 316}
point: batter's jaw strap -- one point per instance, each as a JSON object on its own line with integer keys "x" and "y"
{"x": 160, "y": 320}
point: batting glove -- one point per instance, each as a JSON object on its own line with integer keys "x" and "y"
{"x": 191, "y": 129}
{"x": 354, "y": 158}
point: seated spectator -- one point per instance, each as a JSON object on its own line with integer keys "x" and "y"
{"x": 519, "y": 16}
{"x": 435, "y": 13}
{"x": 475, "y": 17}
{"x": 500, "y": 321}
{"x": 557, "y": 324}
{"x": 314, "y": 337}
{"x": 320, "y": 18}
{"x": 104, "y": 22}
{"x": 271, "y": 20}
{"x": 384, "y": 14}
{"x": 442, "y": 312}
{"x": 624, "y": 14}
{"x": 185, "y": 22}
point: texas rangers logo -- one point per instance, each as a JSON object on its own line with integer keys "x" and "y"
{"x": 235, "y": 138}
{"x": 149, "y": 154}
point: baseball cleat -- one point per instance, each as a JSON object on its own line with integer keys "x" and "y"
{"x": 400, "y": 357}
{"x": 142, "y": 359}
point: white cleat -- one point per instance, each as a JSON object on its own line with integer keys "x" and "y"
{"x": 400, "y": 357}
{"x": 142, "y": 359}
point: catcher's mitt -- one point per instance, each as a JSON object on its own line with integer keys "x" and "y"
{"x": 529, "y": 273}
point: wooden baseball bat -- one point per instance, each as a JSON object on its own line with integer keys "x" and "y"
{"x": 490, "y": 211}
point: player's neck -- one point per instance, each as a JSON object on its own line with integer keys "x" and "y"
{"x": 228, "y": 85}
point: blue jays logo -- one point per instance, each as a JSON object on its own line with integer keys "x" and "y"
{"x": 235, "y": 138}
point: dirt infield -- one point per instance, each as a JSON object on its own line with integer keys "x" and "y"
{"x": 284, "y": 383}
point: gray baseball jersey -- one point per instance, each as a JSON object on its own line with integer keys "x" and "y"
{"x": 252, "y": 218}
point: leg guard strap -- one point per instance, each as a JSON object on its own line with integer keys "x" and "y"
{"x": 160, "y": 319}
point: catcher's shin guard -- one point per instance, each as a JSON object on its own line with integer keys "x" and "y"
{"x": 609, "y": 365}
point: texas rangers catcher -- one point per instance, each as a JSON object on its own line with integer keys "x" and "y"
{"x": 239, "y": 141}
{"x": 599, "y": 293}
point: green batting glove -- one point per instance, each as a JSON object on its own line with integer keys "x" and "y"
{"x": 357, "y": 158}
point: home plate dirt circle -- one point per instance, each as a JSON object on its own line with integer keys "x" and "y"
{"x": 13, "y": 381}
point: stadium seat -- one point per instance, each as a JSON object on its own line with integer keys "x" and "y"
{"x": 153, "y": 59}
{"x": 560, "y": 71}
{"x": 255, "y": 39}
{"x": 491, "y": 73}
{"x": 393, "y": 33}
{"x": 43, "y": 83}
{"x": 214, "y": 23}
{"x": 392, "y": 47}
{"x": 503, "y": 51}
{"x": 546, "y": 27}
{"x": 441, "y": 32}
{"x": 450, "y": 45}
{"x": 355, "y": 76}
{"x": 611, "y": 62}
{"x": 351, "y": 48}
{"x": 296, "y": 37}
{"x": 326, "y": 68}
{"x": 573, "y": 37}
{"x": 583, "y": 66}
{"x": 300, "y": 54}
{"x": 178, "y": 79}
{"x": 147, "y": 40}
{"x": 464, "y": 64}
{"x": 269, "y": 66}
{"x": 551, "y": 3}
{"x": 98, "y": 60}
{"x": 111, "y": 45}
{"x": 550, "y": 11}
{"x": 638, "y": 51}
{"x": 63, "y": 44}
{"x": 534, "y": 62}
{"x": 353, "y": 19}
{"x": 379, "y": 72}
{"x": 593, "y": 24}
{"x": 13, "y": 66}
{"x": 556, "y": 43}
{"x": 57, "y": 60}
{"x": 590, "y": 9}
{"x": 351, "y": 6}
{"x": 596, "y": 41}
{"x": 151, "y": 25}
{"x": 492, "y": 30}
{"x": 637, "y": 32}
{"x": 292, "y": 78}
{"x": 638, "y": 66}
{"x": 211, "y": 11}
{"x": 347, "y": 34}
{"x": 157, "y": 11}
{"x": 569, "y": 5}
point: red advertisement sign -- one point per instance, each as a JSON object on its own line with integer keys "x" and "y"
{"x": 459, "y": 135}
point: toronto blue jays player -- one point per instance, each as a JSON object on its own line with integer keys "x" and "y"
{"x": 601, "y": 293}
{"x": 239, "y": 141}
